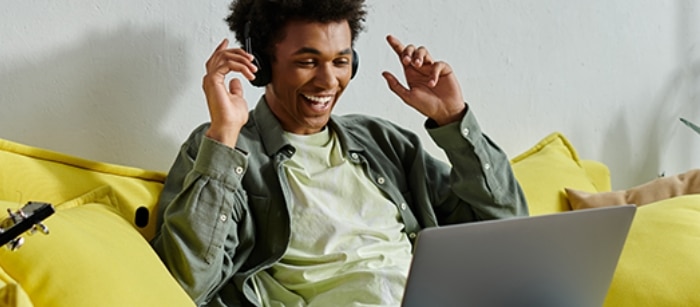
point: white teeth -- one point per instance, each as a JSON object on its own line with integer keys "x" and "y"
{"x": 324, "y": 99}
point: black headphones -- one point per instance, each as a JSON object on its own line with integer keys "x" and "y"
{"x": 264, "y": 74}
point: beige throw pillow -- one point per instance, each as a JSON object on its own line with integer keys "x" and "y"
{"x": 652, "y": 191}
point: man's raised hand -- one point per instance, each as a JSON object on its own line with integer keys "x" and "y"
{"x": 432, "y": 89}
{"x": 228, "y": 108}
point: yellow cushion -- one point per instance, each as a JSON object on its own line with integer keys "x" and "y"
{"x": 599, "y": 173}
{"x": 11, "y": 293}
{"x": 91, "y": 257}
{"x": 546, "y": 169}
{"x": 29, "y": 173}
{"x": 660, "y": 263}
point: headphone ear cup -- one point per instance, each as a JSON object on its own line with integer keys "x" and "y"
{"x": 355, "y": 63}
{"x": 264, "y": 74}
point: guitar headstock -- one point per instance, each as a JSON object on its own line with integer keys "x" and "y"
{"x": 28, "y": 218}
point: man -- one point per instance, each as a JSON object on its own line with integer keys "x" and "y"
{"x": 288, "y": 205}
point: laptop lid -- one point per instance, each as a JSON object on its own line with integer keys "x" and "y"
{"x": 563, "y": 259}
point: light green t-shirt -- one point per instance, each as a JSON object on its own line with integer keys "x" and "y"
{"x": 347, "y": 246}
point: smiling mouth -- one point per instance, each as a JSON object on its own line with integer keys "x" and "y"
{"x": 318, "y": 102}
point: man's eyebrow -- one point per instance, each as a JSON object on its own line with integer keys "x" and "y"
{"x": 304, "y": 50}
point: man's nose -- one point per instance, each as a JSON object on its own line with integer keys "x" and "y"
{"x": 327, "y": 75}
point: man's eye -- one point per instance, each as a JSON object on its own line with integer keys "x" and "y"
{"x": 341, "y": 62}
{"x": 306, "y": 63}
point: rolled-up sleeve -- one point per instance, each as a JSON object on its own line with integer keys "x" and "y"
{"x": 481, "y": 175}
{"x": 201, "y": 211}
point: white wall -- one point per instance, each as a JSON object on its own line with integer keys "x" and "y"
{"x": 120, "y": 81}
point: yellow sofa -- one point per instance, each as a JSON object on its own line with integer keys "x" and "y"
{"x": 660, "y": 262}
{"x": 97, "y": 252}
{"x": 94, "y": 254}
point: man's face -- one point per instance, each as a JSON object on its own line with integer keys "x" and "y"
{"x": 311, "y": 68}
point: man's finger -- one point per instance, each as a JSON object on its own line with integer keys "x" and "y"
{"x": 396, "y": 87}
{"x": 440, "y": 69}
{"x": 222, "y": 45}
{"x": 395, "y": 44}
{"x": 215, "y": 55}
{"x": 235, "y": 87}
{"x": 247, "y": 70}
{"x": 421, "y": 57}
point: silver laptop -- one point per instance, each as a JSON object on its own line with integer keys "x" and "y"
{"x": 564, "y": 259}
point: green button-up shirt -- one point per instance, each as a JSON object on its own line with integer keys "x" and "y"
{"x": 224, "y": 212}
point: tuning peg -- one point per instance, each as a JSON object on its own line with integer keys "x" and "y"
{"x": 28, "y": 219}
{"x": 11, "y": 217}
{"x": 40, "y": 227}
{"x": 17, "y": 216}
{"x": 15, "y": 244}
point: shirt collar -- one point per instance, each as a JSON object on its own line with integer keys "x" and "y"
{"x": 343, "y": 127}
{"x": 269, "y": 128}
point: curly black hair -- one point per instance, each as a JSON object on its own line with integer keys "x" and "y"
{"x": 268, "y": 17}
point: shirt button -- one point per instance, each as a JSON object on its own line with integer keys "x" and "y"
{"x": 465, "y": 132}
{"x": 487, "y": 166}
{"x": 239, "y": 170}
{"x": 381, "y": 180}
{"x": 223, "y": 218}
{"x": 412, "y": 235}
{"x": 403, "y": 206}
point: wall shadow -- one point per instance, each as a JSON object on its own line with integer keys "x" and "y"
{"x": 101, "y": 99}
{"x": 679, "y": 97}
